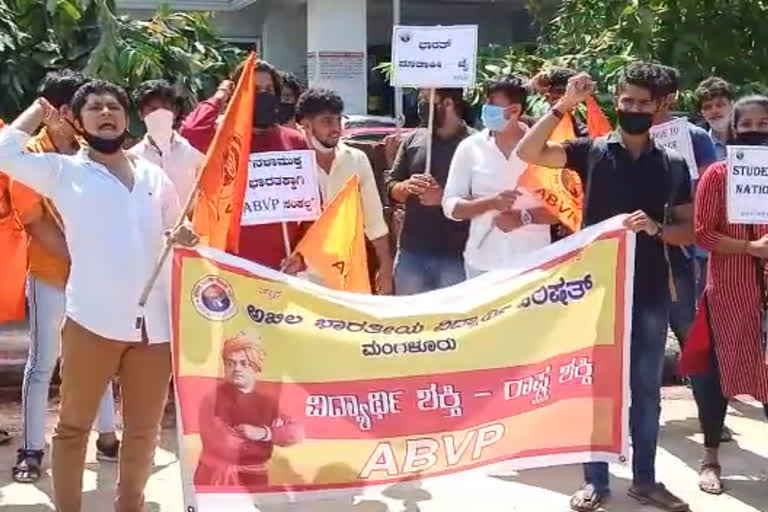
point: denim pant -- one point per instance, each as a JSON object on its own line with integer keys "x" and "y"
{"x": 418, "y": 271}
{"x": 46, "y": 316}
{"x": 683, "y": 311}
{"x": 649, "y": 333}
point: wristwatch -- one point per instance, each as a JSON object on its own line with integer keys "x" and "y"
{"x": 557, "y": 113}
{"x": 525, "y": 217}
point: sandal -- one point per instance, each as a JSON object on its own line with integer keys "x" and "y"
{"x": 5, "y": 437}
{"x": 587, "y": 499}
{"x": 27, "y": 468}
{"x": 709, "y": 479}
{"x": 658, "y": 496}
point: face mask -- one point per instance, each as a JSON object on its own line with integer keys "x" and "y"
{"x": 286, "y": 112}
{"x": 320, "y": 146}
{"x": 102, "y": 145}
{"x": 635, "y": 123}
{"x": 265, "y": 110}
{"x": 721, "y": 125}
{"x": 752, "y": 139}
{"x": 493, "y": 118}
{"x": 160, "y": 127}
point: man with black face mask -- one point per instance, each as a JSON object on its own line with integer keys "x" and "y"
{"x": 261, "y": 243}
{"x": 627, "y": 173}
{"x": 115, "y": 208}
{"x": 292, "y": 90}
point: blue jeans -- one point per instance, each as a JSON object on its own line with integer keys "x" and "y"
{"x": 702, "y": 265}
{"x": 417, "y": 271}
{"x": 683, "y": 311}
{"x": 646, "y": 365}
{"x": 46, "y": 316}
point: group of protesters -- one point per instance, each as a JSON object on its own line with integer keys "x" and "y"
{"x": 97, "y": 215}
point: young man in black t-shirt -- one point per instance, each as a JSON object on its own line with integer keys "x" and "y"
{"x": 630, "y": 175}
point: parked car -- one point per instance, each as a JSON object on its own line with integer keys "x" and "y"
{"x": 364, "y": 128}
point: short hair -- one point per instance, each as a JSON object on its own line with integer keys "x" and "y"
{"x": 59, "y": 87}
{"x": 251, "y": 345}
{"x": 99, "y": 87}
{"x": 265, "y": 67}
{"x": 152, "y": 90}
{"x": 645, "y": 75}
{"x": 669, "y": 79}
{"x": 748, "y": 101}
{"x": 558, "y": 77}
{"x": 318, "y": 101}
{"x": 711, "y": 88}
{"x": 511, "y": 86}
{"x": 454, "y": 94}
{"x": 291, "y": 82}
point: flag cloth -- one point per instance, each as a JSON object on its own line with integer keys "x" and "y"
{"x": 224, "y": 174}
{"x": 696, "y": 358}
{"x": 597, "y": 124}
{"x": 334, "y": 247}
{"x": 361, "y": 391}
{"x": 559, "y": 189}
{"x": 13, "y": 247}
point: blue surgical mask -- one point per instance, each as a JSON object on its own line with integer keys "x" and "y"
{"x": 494, "y": 118}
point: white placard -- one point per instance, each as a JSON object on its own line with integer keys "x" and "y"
{"x": 676, "y": 135}
{"x": 433, "y": 57}
{"x": 282, "y": 187}
{"x": 747, "y": 183}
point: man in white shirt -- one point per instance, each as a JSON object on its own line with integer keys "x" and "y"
{"x": 116, "y": 208}
{"x": 505, "y": 221}
{"x": 320, "y": 113}
{"x": 156, "y": 101}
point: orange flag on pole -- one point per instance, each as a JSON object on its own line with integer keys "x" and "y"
{"x": 559, "y": 189}
{"x": 597, "y": 124}
{"x": 334, "y": 246}
{"x": 13, "y": 254}
{"x": 224, "y": 175}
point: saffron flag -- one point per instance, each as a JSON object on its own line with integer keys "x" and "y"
{"x": 13, "y": 253}
{"x": 334, "y": 246}
{"x": 559, "y": 189}
{"x": 224, "y": 174}
{"x": 597, "y": 124}
{"x": 292, "y": 392}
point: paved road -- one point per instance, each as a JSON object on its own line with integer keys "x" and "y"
{"x": 547, "y": 490}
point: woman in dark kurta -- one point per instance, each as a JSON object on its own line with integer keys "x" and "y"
{"x": 734, "y": 296}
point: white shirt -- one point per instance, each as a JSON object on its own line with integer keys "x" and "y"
{"x": 182, "y": 163}
{"x": 480, "y": 169}
{"x": 114, "y": 235}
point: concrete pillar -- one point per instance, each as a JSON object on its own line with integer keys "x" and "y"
{"x": 337, "y": 57}
{"x": 284, "y": 38}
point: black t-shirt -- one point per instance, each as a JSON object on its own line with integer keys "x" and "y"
{"x": 425, "y": 227}
{"x": 621, "y": 184}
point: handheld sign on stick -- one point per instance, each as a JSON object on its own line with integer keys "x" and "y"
{"x": 432, "y": 58}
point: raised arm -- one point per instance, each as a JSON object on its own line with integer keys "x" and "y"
{"x": 535, "y": 147}
{"x": 39, "y": 171}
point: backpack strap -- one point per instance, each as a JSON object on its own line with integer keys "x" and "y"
{"x": 676, "y": 177}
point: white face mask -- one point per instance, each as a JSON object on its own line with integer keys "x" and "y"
{"x": 720, "y": 125}
{"x": 319, "y": 146}
{"x": 160, "y": 127}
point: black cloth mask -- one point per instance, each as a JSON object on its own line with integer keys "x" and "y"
{"x": 752, "y": 139}
{"x": 635, "y": 123}
{"x": 265, "y": 110}
{"x": 286, "y": 112}
{"x": 102, "y": 145}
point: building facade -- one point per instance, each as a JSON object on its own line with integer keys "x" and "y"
{"x": 337, "y": 43}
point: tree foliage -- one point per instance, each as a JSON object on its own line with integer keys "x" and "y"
{"x": 37, "y": 36}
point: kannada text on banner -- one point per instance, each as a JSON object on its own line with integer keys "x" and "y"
{"x": 282, "y": 187}
{"x": 287, "y": 386}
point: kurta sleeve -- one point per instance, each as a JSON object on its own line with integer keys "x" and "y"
{"x": 710, "y": 215}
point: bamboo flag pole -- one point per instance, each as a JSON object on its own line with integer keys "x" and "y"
{"x": 430, "y": 132}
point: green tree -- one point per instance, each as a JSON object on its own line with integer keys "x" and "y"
{"x": 37, "y": 36}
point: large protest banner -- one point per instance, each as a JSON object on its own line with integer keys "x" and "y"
{"x": 285, "y": 386}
